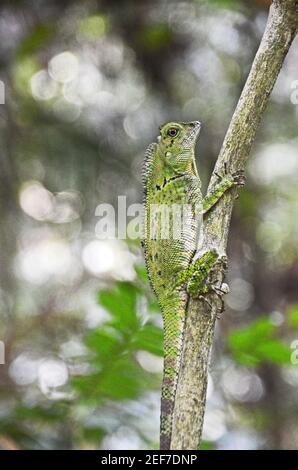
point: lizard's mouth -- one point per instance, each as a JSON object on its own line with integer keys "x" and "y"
{"x": 192, "y": 135}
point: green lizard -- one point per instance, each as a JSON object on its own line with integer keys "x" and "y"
{"x": 172, "y": 181}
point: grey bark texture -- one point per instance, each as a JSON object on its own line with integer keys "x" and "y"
{"x": 190, "y": 400}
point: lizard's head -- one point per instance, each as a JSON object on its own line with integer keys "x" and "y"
{"x": 176, "y": 136}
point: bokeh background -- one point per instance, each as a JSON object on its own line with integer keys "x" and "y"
{"x": 87, "y": 85}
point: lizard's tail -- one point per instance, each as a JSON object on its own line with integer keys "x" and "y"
{"x": 173, "y": 341}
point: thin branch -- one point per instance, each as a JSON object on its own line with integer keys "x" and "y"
{"x": 200, "y": 321}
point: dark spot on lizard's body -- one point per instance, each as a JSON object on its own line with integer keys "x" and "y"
{"x": 159, "y": 273}
{"x": 158, "y": 187}
{"x": 156, "y": 256}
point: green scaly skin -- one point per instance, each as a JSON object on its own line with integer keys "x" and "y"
{"x": 171, "y": 177}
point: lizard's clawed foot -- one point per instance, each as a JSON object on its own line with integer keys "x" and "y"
{"x": 222, "y": 290}
{"x": 239, "y": 178}
{"x": 223, "y": 261}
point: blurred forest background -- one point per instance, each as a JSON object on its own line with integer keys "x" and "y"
{"x": 87, "y": 85}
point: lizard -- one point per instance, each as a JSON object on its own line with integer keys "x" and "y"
{"x": 171, "y": 180}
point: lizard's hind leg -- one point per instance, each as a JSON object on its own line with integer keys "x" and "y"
{"x": 197, "y": 284}
{"x": 197, "y": 272}
{"x": 196, "y": 275}
{"x": 202, "y": 280}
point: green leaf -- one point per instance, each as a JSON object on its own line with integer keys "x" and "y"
{"x": 249, "y": 336}
{"x": 103, "y": 342}
{"x": 274, "y": 351}
{"x": 121, "y": 304}
{"x": 246, "y": 359}
{"x": 256, "y": 344}
{"x": 87, "y": 386}
{"x": 124, "y": 380}
{"x": 149, "y": 338}
{"x": 207, "y": 445}
{"x": 121, "y": 379}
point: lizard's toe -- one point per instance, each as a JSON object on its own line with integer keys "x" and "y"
{"x": 239, "y": 178}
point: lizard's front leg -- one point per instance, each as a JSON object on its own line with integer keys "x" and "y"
{"x": 226, "y": 182}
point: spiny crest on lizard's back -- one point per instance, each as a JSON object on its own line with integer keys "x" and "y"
{"x": 148, "y": 163}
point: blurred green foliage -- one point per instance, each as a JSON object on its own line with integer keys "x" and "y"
{"x": 94, "y": 27}
{"x": 115, "y": 373}
{"x": 87, "y": 85}
{"x": 257, "y": 344}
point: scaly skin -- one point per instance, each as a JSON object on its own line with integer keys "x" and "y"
{"x": 171, "y": 177}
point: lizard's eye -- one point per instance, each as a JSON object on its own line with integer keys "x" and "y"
{"x": 172, "y": 132}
